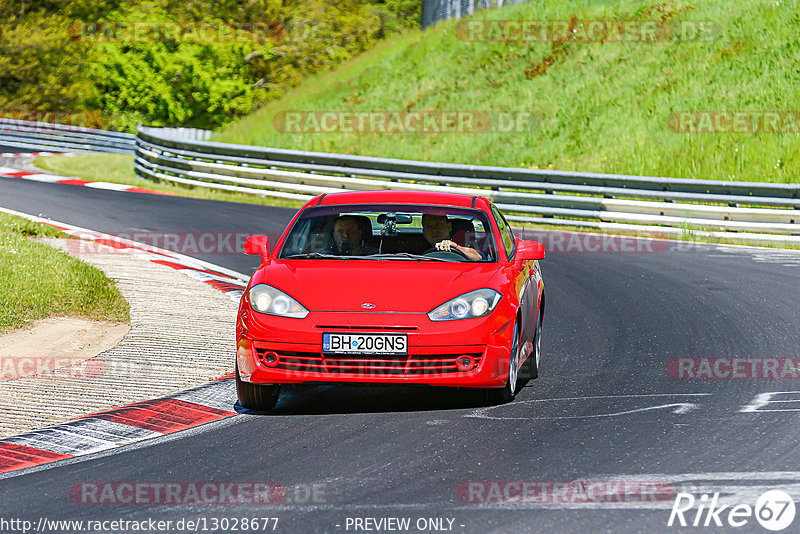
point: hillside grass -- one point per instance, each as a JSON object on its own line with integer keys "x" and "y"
{"x": 599, "y": 107}
{"x": 39, "y": 281}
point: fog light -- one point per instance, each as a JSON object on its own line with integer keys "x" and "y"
{"x": 465, "y": 363}
{"x": 271, "y": 359}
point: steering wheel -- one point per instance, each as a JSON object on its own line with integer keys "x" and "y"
{"x": 445, "y": 254}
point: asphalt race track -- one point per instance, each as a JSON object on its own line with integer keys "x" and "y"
{"x": 604, "y": 410}
{"x": 14, "y": 149}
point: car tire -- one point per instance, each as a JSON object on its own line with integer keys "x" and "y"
{"x": 256, "y": 397}
{"x": 507, "y": 393}
{"x": 530, "y": 368}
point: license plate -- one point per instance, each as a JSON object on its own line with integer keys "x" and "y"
{"x": 393, "y": 344}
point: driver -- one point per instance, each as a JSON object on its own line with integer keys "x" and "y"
{"x": 319, "y": 241}
{"x": 348, "y": 239}
{"x": 437, "y": 228}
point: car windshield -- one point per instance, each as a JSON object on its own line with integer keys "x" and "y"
{"x": 391, "y": 232}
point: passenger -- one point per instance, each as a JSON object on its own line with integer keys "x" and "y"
{"x": 348, "y": 238}
{"x": 437, "y": 228}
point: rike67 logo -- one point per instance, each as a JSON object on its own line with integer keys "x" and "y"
{"x": 774, "y": 510}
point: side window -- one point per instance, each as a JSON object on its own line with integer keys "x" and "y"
{"x": 509, "y": 243}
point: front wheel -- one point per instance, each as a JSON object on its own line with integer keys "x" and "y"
{"x": 256, "y": 397}
{"x": 530, "y": 368}
{"x": 507, "y": 392}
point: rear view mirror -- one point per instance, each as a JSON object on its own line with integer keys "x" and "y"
{"x": 399, "y": 218}
{"x": 530, "y": 250}
{"x": 257, "y": 245}
{"x": 390, "y": 220}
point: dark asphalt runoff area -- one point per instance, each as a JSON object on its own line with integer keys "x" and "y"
{"x": 605, "y": 410}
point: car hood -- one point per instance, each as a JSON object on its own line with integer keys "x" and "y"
{"x": 391, "y": 286}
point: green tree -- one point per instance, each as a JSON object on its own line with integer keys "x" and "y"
{"x": 54, "y": 55}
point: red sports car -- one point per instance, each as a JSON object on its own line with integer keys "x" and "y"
{"x": 391, "y": 287}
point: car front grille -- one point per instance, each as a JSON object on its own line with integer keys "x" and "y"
{"x": 413, "y": 365}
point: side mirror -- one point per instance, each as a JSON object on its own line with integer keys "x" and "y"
{"x": 257, "y": 245}
{"x": 530, "y": 250}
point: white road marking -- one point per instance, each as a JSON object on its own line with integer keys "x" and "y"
{"x": 109, "y": 186}
{"x": 205, "y": 277}
{"x": 764, "y": 399}
{"x": 624, "y": 396}
{"x": 82, "y": 436}
{"x": 784, "y": 257}
{"x": 44, "y": 178}
{"x": 679, "y": 407}
{"x": 56, "y": 440}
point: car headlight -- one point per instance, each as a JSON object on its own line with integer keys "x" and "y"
{"x": 267, "y": 299}
{"x": 468, "y": 306}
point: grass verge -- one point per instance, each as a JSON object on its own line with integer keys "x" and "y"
{"x": 39, "y": 281}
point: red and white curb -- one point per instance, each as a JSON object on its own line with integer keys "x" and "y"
{"x": 141, "y": 420}
{"x": 8, "y": 172}
{"x": 229, "y": 282}
{"x": 135, "y": 422}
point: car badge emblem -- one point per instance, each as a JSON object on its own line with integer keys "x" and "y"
{"x": 368, "y": 306}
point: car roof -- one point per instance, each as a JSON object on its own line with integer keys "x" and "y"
{"x": 401, "y": 197}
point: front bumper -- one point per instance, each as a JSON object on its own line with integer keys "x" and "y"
{"x": 432, "y": 349}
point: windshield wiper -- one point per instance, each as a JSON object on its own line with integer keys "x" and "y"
{"x": 400, "y": 255}
{"x": 384, "y": 256}
{"x": 309, "y": 255}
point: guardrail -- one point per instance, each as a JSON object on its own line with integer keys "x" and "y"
{"x": 59, "y": 137}
{"x": 752, "y": 211}
{"x": 434, "y": 11}
{"x": 768, "y": 212}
